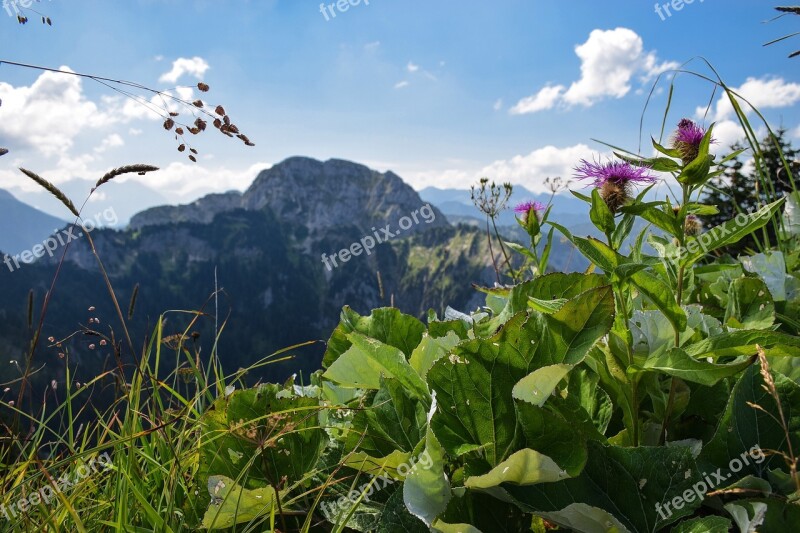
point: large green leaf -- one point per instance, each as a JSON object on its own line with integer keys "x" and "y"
{"x": 258, "y": 436}
{"x": 367, "y": 360}
{"x": 750, "y": 305}
{"x": 706, "y": 524}
{"x": 387, "y": 325}
{"x": 559, "y": 430}
{"x": 474, "y": 384}
{"x": 426, "y": 489}
{"x": 393, "y": 423}
{"x": 744, "y": 432}
{"x": 626, "y": 483}
{"x": 765, "y": 515}
{"x": 676, "y": 362}
{"x": 430, "y": 350}
{"x": 662, "y": 297}
{"x": 231, "y": 504}
{"x": 745, "y": 342}
{"x": 525, "y": 467}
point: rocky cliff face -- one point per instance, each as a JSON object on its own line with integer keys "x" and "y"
{"x": 317, "y": 195}
{"x": 264, "y": 249}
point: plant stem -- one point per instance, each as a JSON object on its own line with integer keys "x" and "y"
{"x": 679, "y": 299}
{"x": 505, "y": 254}
{"x": 491, "y": 250}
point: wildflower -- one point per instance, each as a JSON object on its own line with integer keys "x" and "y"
{"x": 692, "y": 226}
{"x": 526, "y": 208}
{"x": 687, "y": 139}
{"x": 614, "y": 179}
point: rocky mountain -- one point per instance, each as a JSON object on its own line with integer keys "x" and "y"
{"x": 25, "y": 226}
{"x": 263, "y": 249}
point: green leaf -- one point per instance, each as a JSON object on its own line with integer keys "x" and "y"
{"x": 394, "y": 422}
{"x": 745, "y": 342}
{"x": 546, "y": 306}
{"x": 559, "y": 430}
{"x": 430, "y": 350}
{"x": 791, "y": 214}
{"x": 662, "y": 297}
{"x": 387, "y": 325}
{"x": 395, "y": 518}
{"x": 626, "y": 483}
{"x": 765, "y": 515}
{"x": 745, "y": 433}
{"x": 426, "y": 490}
{"x": 600, "y": 214}
{"x": 537, "y": 386}
{"x": 231, "y": 504}
{"x": 525, "y": 467}
{"x": 653, "y": 213}
{"x": 474, "y": 384}
{"x": 771, "y": 267}
{"x": 586, "y": 519}
{"x": 676, "y": 362}
{"x": 750, "y": 305}
{"x": 697, "y": 172}
{"x": 671, "y": 152}
{"x": 235, "y": 426}
{"x": 730, "y": 232}
{"x": 367, "y": 360}
{"x": 705, "y": 524}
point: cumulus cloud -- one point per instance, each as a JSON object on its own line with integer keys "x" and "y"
{"x": 112, "y": 141}
{"x": 186, "y": 181}
{"x": 763, "y": 93}
{"x": 195, "y": 66}
{"x": 546, "y": 98}
{"x": 412, "y": 67}
{"x": 528, "y": 170}
{"x": 610, "y": 61}
{"x": 49, "y": 114}
{"x": 401, "y": 84}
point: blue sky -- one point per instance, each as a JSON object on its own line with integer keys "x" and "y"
{"x": 440, "y": 92}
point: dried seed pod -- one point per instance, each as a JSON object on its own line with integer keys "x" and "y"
{"x": 168, "y": 124}
{"x": 203, "y": 87}
{"x": 193, "y": 151}
{"x": 217, "y": 124}
{"x": 193, "y": 159}
{"x": 181, "y": 148}
{"x": 173, "y": 113}
{"x": 220, "y": 110}
{"x": 197, "y": 103}
{"x": 179, "y": 131}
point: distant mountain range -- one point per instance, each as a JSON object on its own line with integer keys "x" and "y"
{"x": 264, "y": 248}
{"x": 23, "y": 225}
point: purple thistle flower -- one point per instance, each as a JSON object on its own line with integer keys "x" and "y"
{"x": 614, "y": 180}
{"x": 687, "y": 140}
{"x": 525, "y": 207}
{"x": 614, "y": 172}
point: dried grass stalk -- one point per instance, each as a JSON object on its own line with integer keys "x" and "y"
{"x": 55, "y": 191}
{"x": 128, "y": 169}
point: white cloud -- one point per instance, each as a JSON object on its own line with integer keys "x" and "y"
{"x": 112, "y": 141}
{"x": 727, "y": 133}
{"x": 135, "y": 132}
{"x": 188, "y": 181}
{"x": 49, "y": 114}
{"x": 531, "y": 170}
{"x": 610, "y": 60}
{"x": 412, "y": 67}
{"x": 196, "y": 66}
{"x": 372, "y": 46}
{"x": 762, "y": 93}
{"x": 546, "y": 98}
{"x": 528, "y": 170}
{"x": 401, "y": 84}
{"x": 498, "y": 105}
